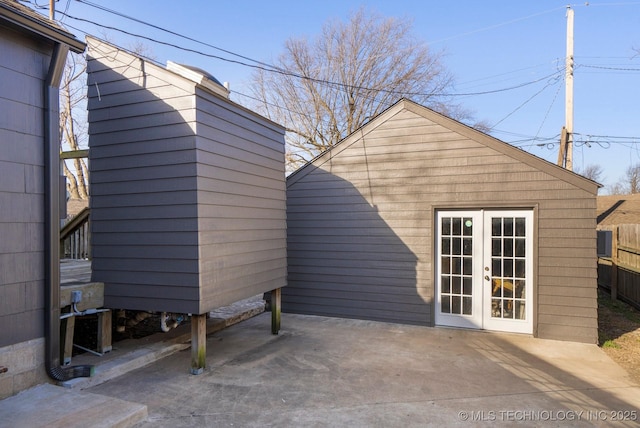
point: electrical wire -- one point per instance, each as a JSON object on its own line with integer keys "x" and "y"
{"x": 97, "y": 6}
{"x": 491, "y": 27}
{"x": 553, "y": 82}
{"x": 601, "y": 67}
{"x": 312, "y": 79}
{"x": 270, "y": 68}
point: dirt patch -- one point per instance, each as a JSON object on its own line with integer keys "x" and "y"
{"x": 85, "y": 333}
{"x": 619, "y": 333}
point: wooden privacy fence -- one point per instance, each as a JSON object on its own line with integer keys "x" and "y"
{"x": 621, "y": 272}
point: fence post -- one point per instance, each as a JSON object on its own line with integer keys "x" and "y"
{"x": 614, "y": 263}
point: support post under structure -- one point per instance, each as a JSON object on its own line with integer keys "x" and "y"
{"x": 275, "y": 310}
{"x": 104, "y": 332}
{"x": 198, "y": 343}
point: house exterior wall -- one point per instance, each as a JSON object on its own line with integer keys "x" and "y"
{"x": 241, "y": 203}
{"x": 187, "y": 190}
{"x": 22, "y": 72}
{"x": 142, "y": 181}
{"x": 361, "y": 223}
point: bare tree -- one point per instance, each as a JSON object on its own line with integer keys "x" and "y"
{"x": 73, "y": 120}
{"x": 592, "y": 172}
{"x": 633, "y": 178}
{"x": 629, "y": 184}
{"x": 325, "y": 89}
{"x": 73, "y": 125}
{"x": 616, "y": 189}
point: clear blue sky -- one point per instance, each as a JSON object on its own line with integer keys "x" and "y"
{"x": 487, "y": 45}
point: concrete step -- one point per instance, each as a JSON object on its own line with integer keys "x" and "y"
{"x": 53, "y": 406}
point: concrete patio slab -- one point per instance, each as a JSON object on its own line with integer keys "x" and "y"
{"x": 337, "y": 372}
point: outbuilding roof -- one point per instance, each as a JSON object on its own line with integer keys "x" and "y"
{"x": 455, "y": 126}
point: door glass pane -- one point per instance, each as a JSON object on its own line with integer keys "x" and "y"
{"x": 467, "y": 305}
{"x": 456, "y": 285}
{"x": 445, "y": 304}
{"x": 496, "y": 267}
{"x": 456, "y": 305}
{"x": 456, "y": 265}
{"x": 445, "y": 284}
{"x": 467, "y": 266}
{"x": 508, "y": 268}
{"x": 446, "y": 226}
{"x": 467, "y": 246}
{"x": 467, "y": 226}
{"x": 457, "y": 226}
{"x": 520, "y": 268}
{"x": 507, "y": 246}
{"x": 496, "y": 226}
{"x": 508, "y": 226}
{"x": 519, "y": 288}
{"x": 496, "y": 247}
{"x": 457, "y": 246}
{"x": 467, "y": 283}
{"x": 446, "y": 245}
{"x": 456, "y": 271}
{"x": 519, "y": 312}
{"x": 445, "y": 264}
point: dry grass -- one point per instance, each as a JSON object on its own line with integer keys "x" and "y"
{"x": 619, "y": 333}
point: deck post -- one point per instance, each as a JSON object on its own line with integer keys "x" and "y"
{"x": 68, "y": 325}
{"x": 104, "y": 332}
{"x": 198, "y": 343}
{"x": 275, "y": 310}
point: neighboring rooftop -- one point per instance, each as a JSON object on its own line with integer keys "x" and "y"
{"x": 618, "y": 209}
{"x": 21, "y": 16}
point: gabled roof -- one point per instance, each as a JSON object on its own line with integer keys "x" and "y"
{"x": 455, "y": 126}
{"x": 26, "y": 19}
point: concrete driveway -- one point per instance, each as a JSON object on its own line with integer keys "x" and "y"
{"x": 336, "y": 372}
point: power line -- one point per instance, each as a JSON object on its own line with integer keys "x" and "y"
{"x": 97, "y": 6}
{"x": 312, "y": 79}
{"x": 271, "y": 68}
{"x": 555, "y": 81}
{"x": 491, "y": 27}
{"x": 602, "y": 67}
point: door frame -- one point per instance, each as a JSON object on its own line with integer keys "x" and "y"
{"x": 532, "y": 267}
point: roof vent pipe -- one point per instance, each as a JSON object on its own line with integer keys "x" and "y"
{"x": 52, "y": 221}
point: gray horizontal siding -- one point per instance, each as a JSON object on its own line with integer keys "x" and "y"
{"x": 188, "y": 193}
{"x": 360, "y": 227}
{"x": 22, "y": 72}
{"x": 241, "y": 190}
{"x": 143, "y": 183}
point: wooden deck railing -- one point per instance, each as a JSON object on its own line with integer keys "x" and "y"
{"x": 75, "y": 239}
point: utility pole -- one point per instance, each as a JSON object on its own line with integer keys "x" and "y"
{"x": 52, "y": 10}
{"x": 565, "y": 154}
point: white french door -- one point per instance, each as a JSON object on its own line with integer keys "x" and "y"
{"x": 484, "y": 270}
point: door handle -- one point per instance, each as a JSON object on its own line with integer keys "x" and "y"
{"x": 486, "y": 277}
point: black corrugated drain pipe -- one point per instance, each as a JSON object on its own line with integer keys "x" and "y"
{"x": 52, "y": 193}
